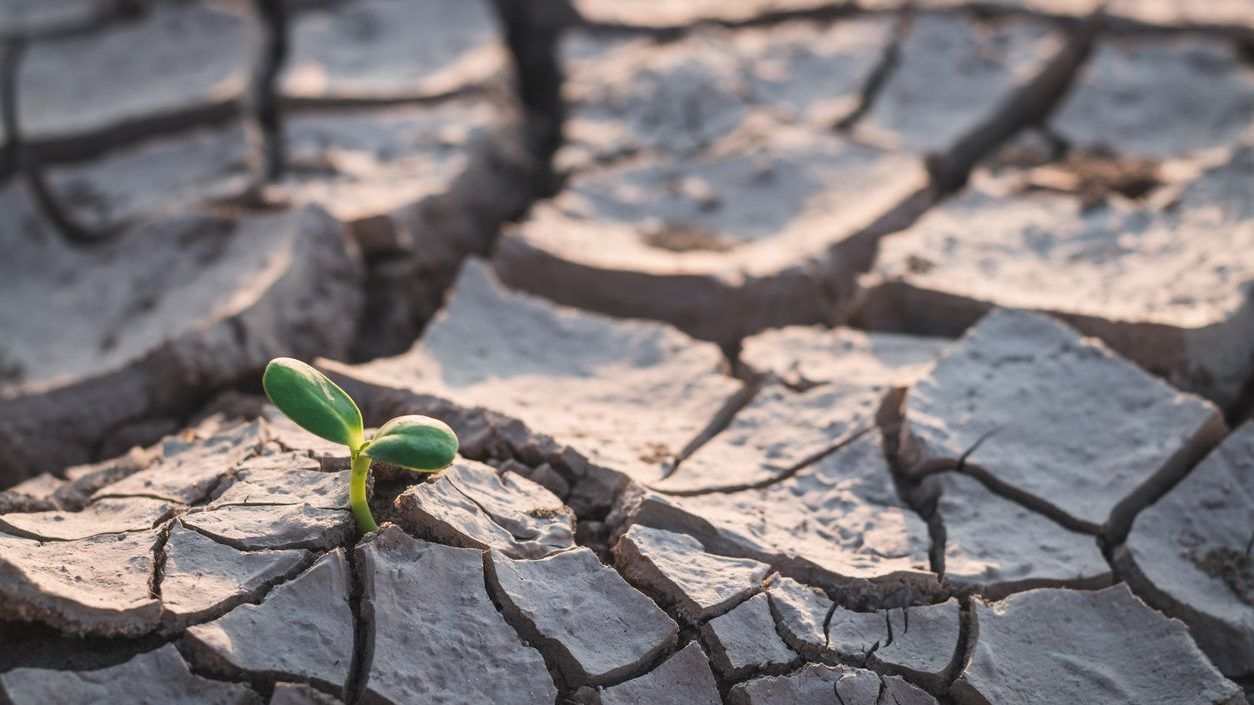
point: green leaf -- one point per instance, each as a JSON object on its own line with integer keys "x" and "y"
{"x": 415, "y": 442}
{"x": 313, "y": 401}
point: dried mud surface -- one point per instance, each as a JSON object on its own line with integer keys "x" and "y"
{"x": 846, "y": 352}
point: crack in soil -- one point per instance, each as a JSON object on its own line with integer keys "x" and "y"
{"x": 264, "y": 682}
{"x": 968, "y": 635}
{"x": 723, "y": 418}
{"x": 784, "y": 476}
{"x": 260, "y": 683}
{"x": 363, "y": 631}
{"x": 1012, "y": 493}
{"x": 102, "y": 15}
{"x": 879, "y": 75}
{"x": 10, "y": 62}
{"x": 1030, "y": 104}
{"x": 891, "y": 422}
{"x": 18, "y": 158}
{"x": 37, "y": 645}
{"x": 158, "y": 559}
{"x": 263, "y": 91}
{"x": 827, "y": 627}
{"x": 491, "y": 584}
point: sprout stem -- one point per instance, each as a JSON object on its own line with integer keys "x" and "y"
{"x": 357, "y": 492}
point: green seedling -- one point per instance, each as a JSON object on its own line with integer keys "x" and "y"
{"x": 318, "y": 405}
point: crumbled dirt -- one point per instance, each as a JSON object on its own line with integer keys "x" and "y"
{"x": 1093, "y": 178}
{"x": 1236, "y": 569}
{"x": 656, "y": 453}
{"x": 686, "y": 239}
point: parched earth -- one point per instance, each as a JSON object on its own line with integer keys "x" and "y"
{"x": 801, "y": 351}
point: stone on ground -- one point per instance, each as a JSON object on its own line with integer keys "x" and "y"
{"x": 450, "y": 646}
{"x": 97, "y": 586}
{"x": 744, "y": 641}
{"x": 1167, "y": 287}
{"x": 106, "y": 516}
{"x": 274, "y": 527}
{"x": 301, "y": 631}
{"x": 682, "y": 679}
{"x": 923, "y": 644}
{"x": 1188, "y": 554}
{"x": 159, "y": 676}
{"x": 1158, "y": 97}
{"x": 803, "y": 357}
{"x": 583, "y": 615}
{"x": 1015, "y": 401}
{"x": 472, "y": 505}
{"x": 800, "y": 612}
{"x": 605, "y": 399}
{"x": 995, "y": 546}
{"x": 676, "y": 570}
{"x": 202, "y": 579}
{"x": 178, "y": 63}
{"x": 817, "y": 684}
{"x": 768, "y": 229}
{"x": 837, "y": 524}
{"x": 172, "y": 309}
{"x": 391, "y": 50}
{"x": 1111, "y": 647}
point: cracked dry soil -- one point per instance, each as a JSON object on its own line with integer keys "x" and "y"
{"x": 832, "y": 352}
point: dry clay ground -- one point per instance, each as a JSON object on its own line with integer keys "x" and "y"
{"x": 855, "y": 355}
